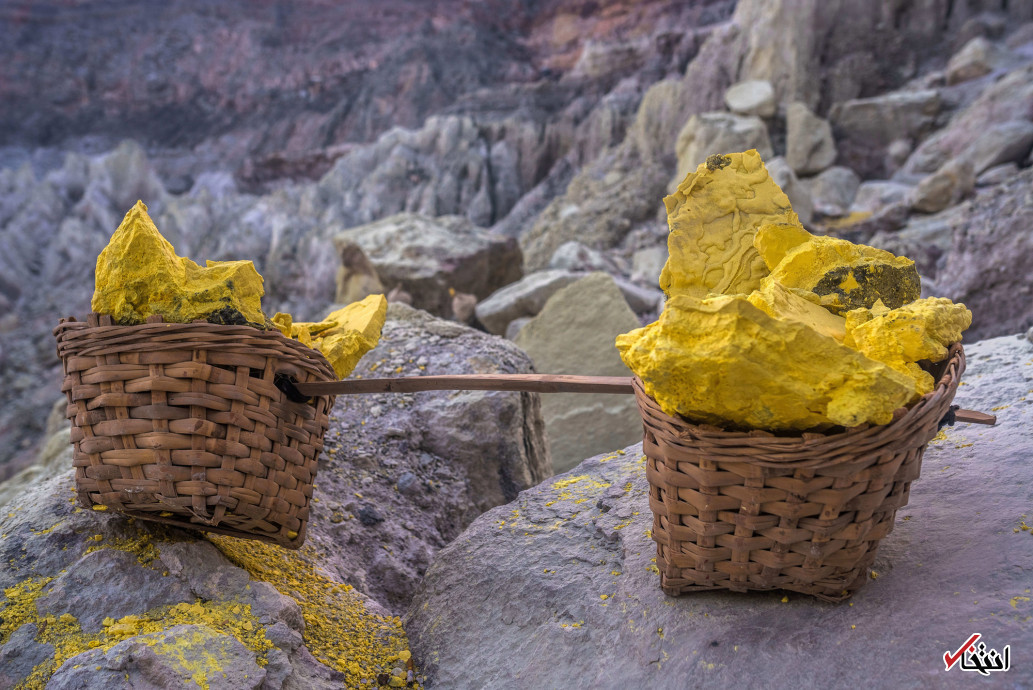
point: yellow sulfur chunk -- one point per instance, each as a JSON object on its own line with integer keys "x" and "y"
{"x": 713, "y": 217}
{"x": 344, "y": 335}
{"x": 140, "y": 275}
{"x": 774, "y": 240}
{"x": 846, "y": 275}
{"x": 780, "y": 302}
{"x": 900, "y": 337}
{"x": 723, "y": 360}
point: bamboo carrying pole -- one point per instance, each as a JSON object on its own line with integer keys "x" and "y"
{"x": 527, "y": 383}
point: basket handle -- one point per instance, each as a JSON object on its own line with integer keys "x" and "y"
{"x": 526, "y": 383}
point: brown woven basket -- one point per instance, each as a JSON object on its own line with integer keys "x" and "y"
{"x": 183, "y": 424}
{"x": 757, "y": 511}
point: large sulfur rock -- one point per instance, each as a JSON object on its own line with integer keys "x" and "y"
{"x": 140, "y": 275}
{"x": 574, "y": 334}
{"x": 736, "y": 364}
{"x": 567, "y": 570}
{"x": 713, "y": 217}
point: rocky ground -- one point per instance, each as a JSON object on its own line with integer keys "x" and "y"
{"x": 500, "y": 166}
{"x": 910, "y": 130}
{"x": 560, "y": 588}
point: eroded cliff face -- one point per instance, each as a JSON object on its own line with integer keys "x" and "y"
{"x": 551, "y": 122}
{"x": 277, "y": 85}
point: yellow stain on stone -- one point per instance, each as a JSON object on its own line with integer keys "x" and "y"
{"x": 344, "y": 335}
{"x": 901, "y": 337}
{"x": 723, "y": 360}
{"x": 846, "y": 221}
{"x": 67, "y": 638}
{"x": 139, "y": 274}
{"x": 339, "y": 631}
{"x": 142, "y": 546}
{"x": 713, "y": 217}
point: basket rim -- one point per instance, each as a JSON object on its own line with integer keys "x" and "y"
{"x": 98, "y": 336}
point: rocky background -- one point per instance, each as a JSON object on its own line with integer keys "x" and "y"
{"x": 501, "y": 166}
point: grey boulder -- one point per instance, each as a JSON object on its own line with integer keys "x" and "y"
{"x": 574, "y": 334}
{"x": 947, "y": 186}
{"x": 809, "y": 144}
{"x": 991, "y": 258}
{"x": 403, "y": 473}
{"x": 754, "y": 97}
{"x": 707, "y": 134}
{"x": 834, "y": 190}
{"x": 525, "y": 297}
{"x": 432, "y": 258}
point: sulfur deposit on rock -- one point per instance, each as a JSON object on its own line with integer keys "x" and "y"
{"x": 713, "y": 217}
{"x": 770, "y": 327}
{"x": 344, "y": 336}
{"x": 901, "y": 337}
{"x": 140, "y": 275}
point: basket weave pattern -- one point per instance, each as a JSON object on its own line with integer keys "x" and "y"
{"x": 182, "y": 423}
{"x": 755, "y": 511}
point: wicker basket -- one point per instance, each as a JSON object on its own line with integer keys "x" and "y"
{"x": 757, "y": 511}
{"x": 183, "y": 424}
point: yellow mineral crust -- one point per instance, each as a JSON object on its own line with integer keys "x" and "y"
{"x": 140, "y": 275}
{"x": 343, "y": 336}
{"x": 339, "y": 630}
{"x": 921, "y": 330}
{"x": 65, "y": 636}
{"x": 713, "y": 217}
{"x": 846, "y": 275}
{"x": 725, "y": 361}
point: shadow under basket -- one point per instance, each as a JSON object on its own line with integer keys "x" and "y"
{"x": 757, "y": 511}
{"x": 184, "y": 424}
